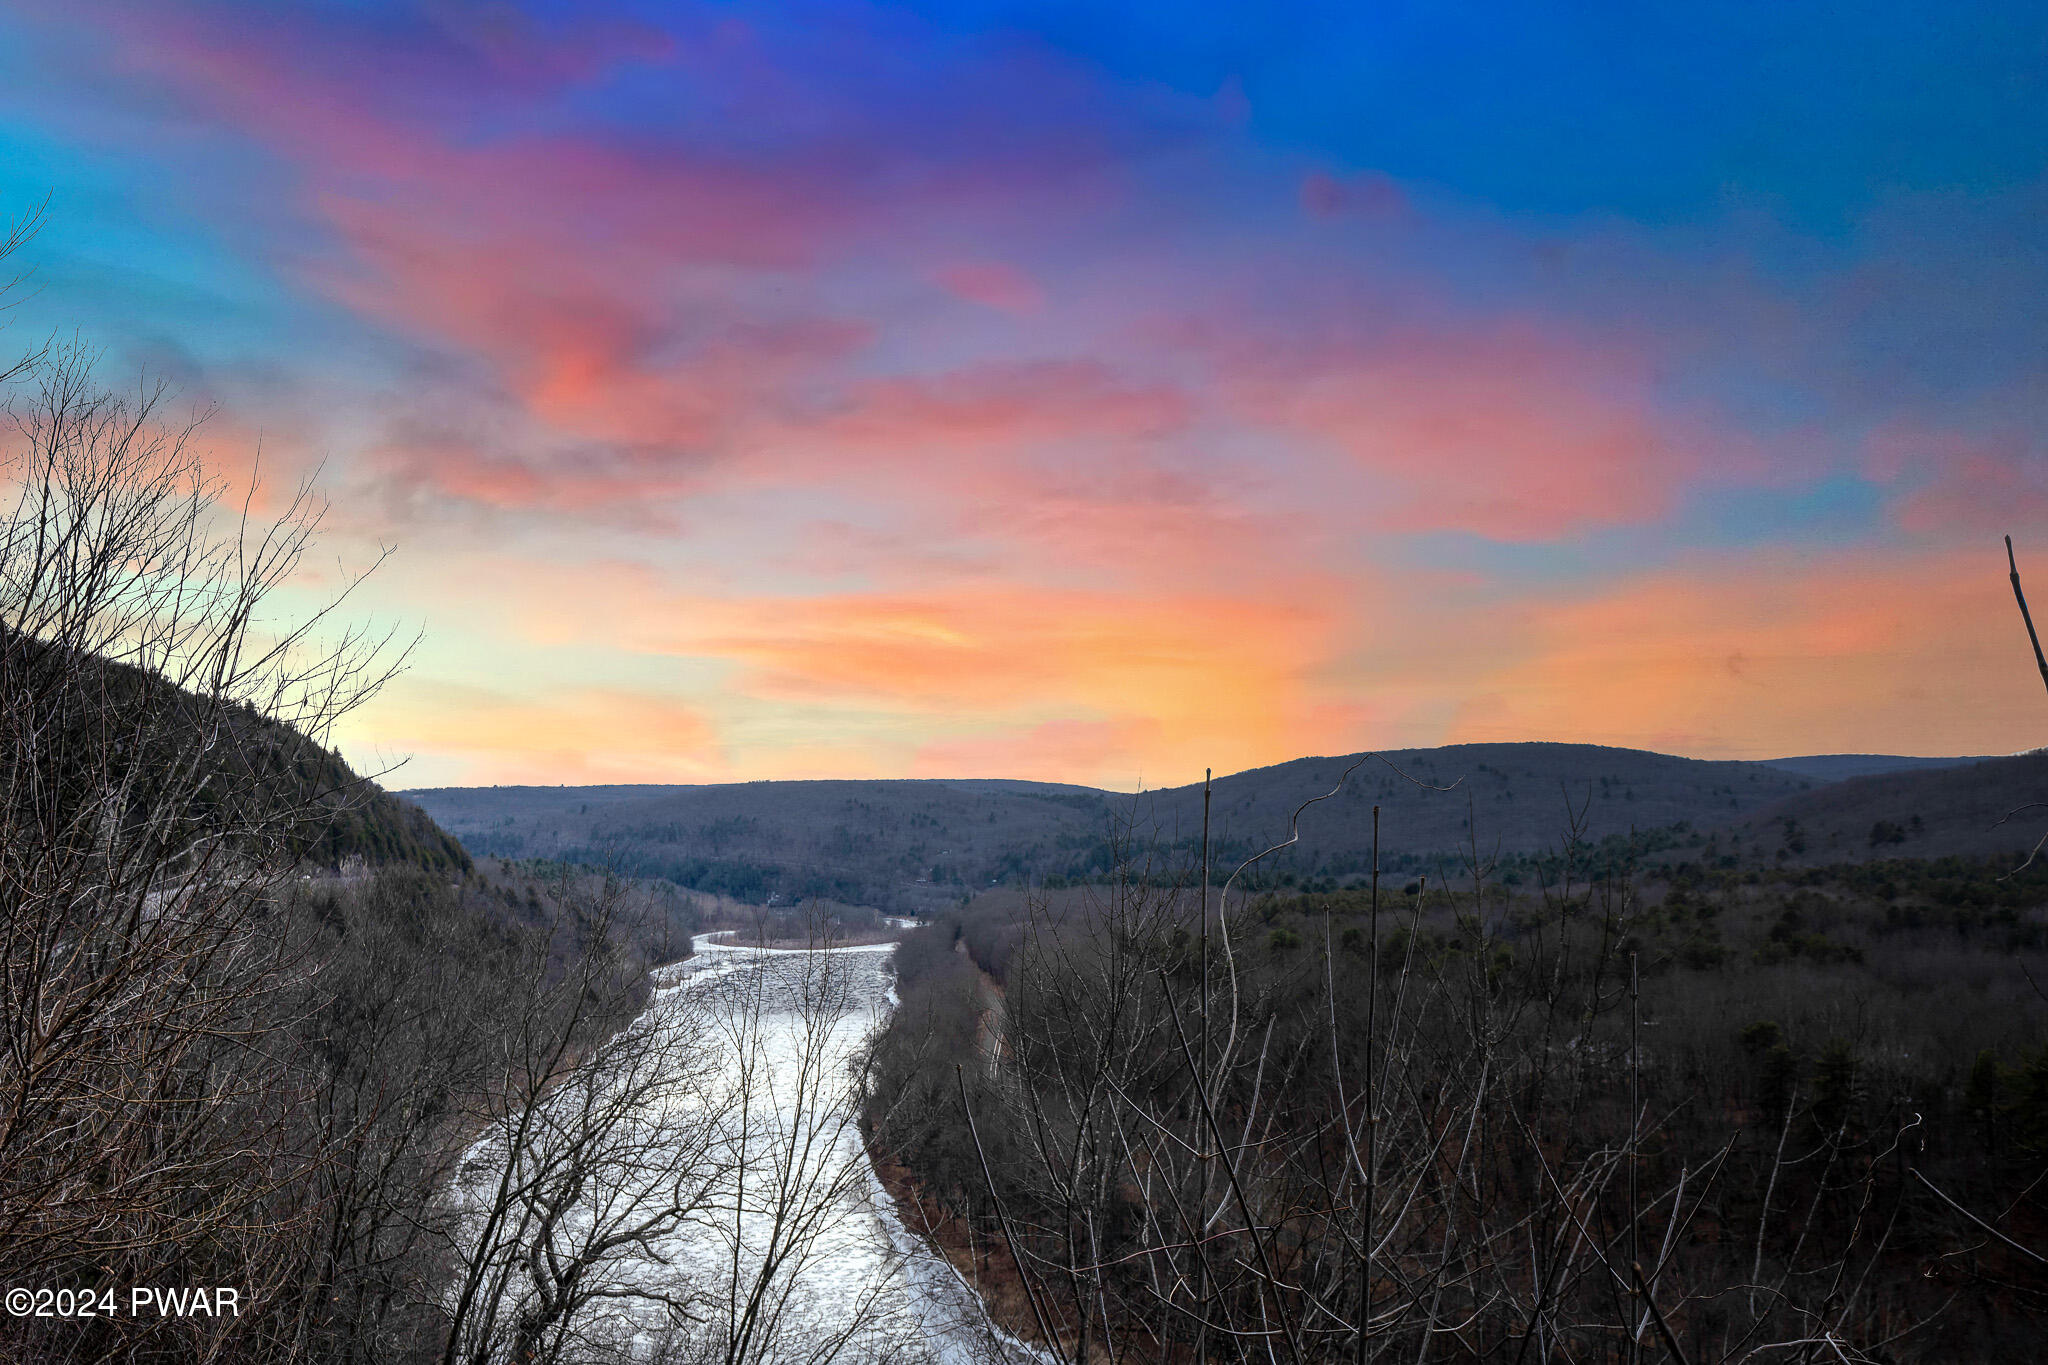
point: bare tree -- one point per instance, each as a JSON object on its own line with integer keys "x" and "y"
{"x": 674, "y": 1187}
{"x": 161, "y": 770}
{"x": 595, "y": 1146}
{"x": 793, "y": 1023}
{"x": 1453, "y": 1141}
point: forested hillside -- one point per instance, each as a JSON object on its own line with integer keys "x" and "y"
{"x": 915, "y": 845}
{"x": 894, "y": 845}
{"x": 1995, "y": 806}
{"x": 252, "y": 766}
{"x": 1671, "y": 1111}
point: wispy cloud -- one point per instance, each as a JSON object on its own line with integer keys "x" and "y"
{"x": 936, "y": 395}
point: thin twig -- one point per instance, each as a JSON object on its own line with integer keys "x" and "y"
{"x": 1016, "y": 1248}
{"x": 1657, "y": 1316}
{"x": 2031, "y": 1255}
{"x": 2021, "y": 597}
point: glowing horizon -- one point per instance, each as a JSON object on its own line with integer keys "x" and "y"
{"x": 974, "y": 390}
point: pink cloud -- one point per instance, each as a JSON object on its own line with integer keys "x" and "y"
{"x": 1371, "y": 196}
{"x": 429, "y": 471}
{"x": 1004, "y": 406}
{"x": 1979, "y": 494}
{"x": 646, "y": 296}
{"x": 602, "y": 280}
{"x": 1952, "y": 482}
{"x": 993, "y": 284}
{"x": 1504, "y": 430}
{"x": 1071, "y": 466}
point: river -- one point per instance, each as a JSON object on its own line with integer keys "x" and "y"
{"x": 745, "y": 1221}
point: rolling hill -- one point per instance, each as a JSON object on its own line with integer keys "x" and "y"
{"x": 1917, "y": 813}
{"x": 890, "y": 844}
{"x": 914, "y": 844}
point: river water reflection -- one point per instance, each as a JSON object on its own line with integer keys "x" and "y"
{"x": 789, "y": 1248}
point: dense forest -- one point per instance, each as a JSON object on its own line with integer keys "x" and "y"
{"x": 1616, "y": 1105}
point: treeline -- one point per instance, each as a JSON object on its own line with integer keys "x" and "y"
{"x": 1697, "y": 1113}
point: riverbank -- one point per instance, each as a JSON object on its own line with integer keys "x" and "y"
{"x": 982, "y": 1262}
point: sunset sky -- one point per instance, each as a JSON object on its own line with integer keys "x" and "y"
{"x": 1093, "y": 392}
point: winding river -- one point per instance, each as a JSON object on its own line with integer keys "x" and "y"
{"x": 790, "y": 1249}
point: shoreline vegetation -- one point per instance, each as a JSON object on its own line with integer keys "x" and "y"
{"x": 981, "y": 1259}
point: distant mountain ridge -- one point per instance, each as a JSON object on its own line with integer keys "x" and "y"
{"x": 916, "y": 843}
{"x": 900, "y": 843}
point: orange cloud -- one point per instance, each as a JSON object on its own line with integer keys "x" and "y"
{"x": 575, "y": 735}
{"x": 1014, "y": 646}
{"x": 1235, "y": 680}
{"x": 1081, "y": 751}
{"x": 1919, "y": 655}
{"x": 1751, "y": 658}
